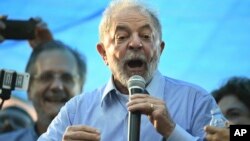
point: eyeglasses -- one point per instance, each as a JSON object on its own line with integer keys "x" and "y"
{"x": 66, "y": 78}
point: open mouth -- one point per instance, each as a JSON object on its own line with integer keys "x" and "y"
{"x": 136, "y": 65}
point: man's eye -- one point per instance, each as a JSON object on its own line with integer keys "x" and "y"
{"x": 232, "y": 115}
{"x": 46, "y": 77}
{"x": 146, "y": 36}
{"x": 67, "y": 78}
{"x": 121, "y": 37}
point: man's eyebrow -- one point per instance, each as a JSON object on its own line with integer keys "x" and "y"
{"x": 126, "y": 28}
{"x": 146, "y": 26}
{"x": 121, "y": 28}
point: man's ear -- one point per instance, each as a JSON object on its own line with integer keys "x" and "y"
{"x": 162, "y": 46}
{"x": 102, "y": 52}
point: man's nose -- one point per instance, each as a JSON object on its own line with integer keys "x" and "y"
{"x": 57, "y": 83}
{"x": 135, "y": 42}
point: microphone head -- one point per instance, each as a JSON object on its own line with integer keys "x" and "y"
{"x": 136, "y": 81}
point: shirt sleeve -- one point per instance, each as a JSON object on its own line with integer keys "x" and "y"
{"x": 180, "y": 134}
{"x": 59, "y": 124}
{"x": 201, "y": 115}
{"x": 202, "y": 104}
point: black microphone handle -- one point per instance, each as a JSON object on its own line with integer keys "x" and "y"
{"x": 134, "y": 120}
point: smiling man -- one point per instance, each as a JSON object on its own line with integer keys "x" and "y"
{"x": 131, "y": 44}
{"x": 57, "y": 74}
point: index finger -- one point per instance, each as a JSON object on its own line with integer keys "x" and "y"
{"x": 83, "y": 128}
{"x": 139, "y": 95}
{"x": 3, "y": 17}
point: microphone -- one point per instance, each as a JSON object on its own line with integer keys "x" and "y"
{"x": 136, "y": 84}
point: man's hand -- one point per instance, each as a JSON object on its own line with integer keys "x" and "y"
{"x": 2, "y": 27}
{"x": 155, "y": 109}
{"x": 81, "y": 133}
{"x": 217, "y": 133}
{"x": 42, "y": 33}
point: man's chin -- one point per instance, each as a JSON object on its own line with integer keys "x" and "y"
{"x": 53, "y": 107}
{"x": 124, "y": 79}
{"x": 52, "y": 114}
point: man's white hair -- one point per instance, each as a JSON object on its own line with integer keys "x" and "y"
{"x": 117, "y": 6}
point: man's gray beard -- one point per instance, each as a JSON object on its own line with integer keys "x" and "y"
{"x": 120, "y": 73}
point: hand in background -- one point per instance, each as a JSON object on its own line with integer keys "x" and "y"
{"x": 42, "y": 33}
{"x": 2, "y": 26}
{"x": 217, "y": 133}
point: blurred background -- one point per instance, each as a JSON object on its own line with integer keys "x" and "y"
{"x": 207, "y": 41}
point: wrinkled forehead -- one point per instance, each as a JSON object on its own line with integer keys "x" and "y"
{"x": 130, "y": 13}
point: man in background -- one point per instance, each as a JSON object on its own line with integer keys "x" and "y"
{"x": 57, "y": 73}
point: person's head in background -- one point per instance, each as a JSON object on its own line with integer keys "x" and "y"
{"x": 57, "y": 73}
{"x": 233, "y": 99}
{"x": 17, "y": 113}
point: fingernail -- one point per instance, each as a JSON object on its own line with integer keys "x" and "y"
{"x": 204, "y": 127}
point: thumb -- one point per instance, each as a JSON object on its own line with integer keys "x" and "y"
{"x": 211, "y": 129}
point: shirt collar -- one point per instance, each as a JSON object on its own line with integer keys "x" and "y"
{"x": 108, "y": 88}
{"x": 155, "y": 87}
